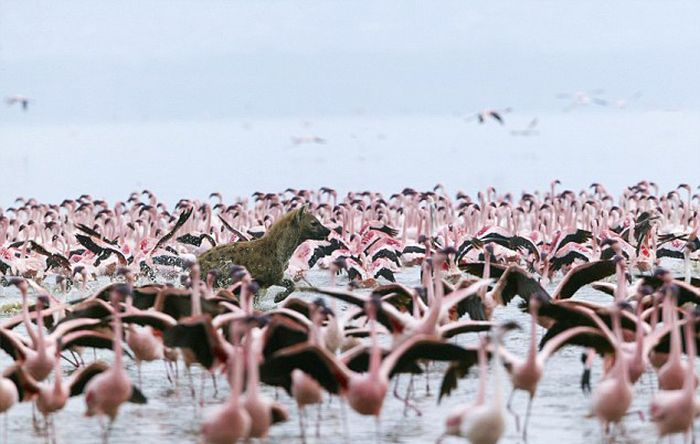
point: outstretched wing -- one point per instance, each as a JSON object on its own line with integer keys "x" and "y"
{"x": 184, "y": 216}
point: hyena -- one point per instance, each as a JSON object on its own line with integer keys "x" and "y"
{"x": 266, "y": 258}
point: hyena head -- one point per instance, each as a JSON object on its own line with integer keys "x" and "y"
{"x": 309, "y": 227}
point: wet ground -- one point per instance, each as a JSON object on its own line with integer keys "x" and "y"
{"x": 171, "y": 415}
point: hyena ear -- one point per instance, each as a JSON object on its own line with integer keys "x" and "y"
{"x": 300, "y": 214}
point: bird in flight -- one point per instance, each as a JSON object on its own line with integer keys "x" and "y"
{"x": 301, "y": 140}
{"x": 583, "y": 98}
{"x": 489, "y": 114}
{"x": 17, "y": 99}
{"x": 529, "y": 130}
{"x": 625, "y": 102}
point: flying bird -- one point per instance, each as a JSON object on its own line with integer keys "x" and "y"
{"x": 529, "y": 130}
{"x": 489, "y": 114}
{"x": 583, "y": 98}
{"x": 17, "y": 99}
{"x": 304, "y": 140}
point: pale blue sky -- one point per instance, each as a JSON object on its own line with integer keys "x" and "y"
{"x": 382, "y": 81}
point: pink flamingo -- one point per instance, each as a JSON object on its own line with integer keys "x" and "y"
{"x": 106, "y": 392}
{"x": 230, "y": 422}
{"x": 673, "y": 411}
{"x": 263, "y": 412}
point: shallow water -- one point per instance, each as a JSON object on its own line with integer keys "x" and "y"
{"x": 559, "y": 410}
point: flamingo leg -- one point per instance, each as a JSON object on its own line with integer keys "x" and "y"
{"x": 427, "y": 378}
{"x": 215, "y": 384}
{"x": 318, "y": 421}
{"x": 108, "y": 431}
{"x": 651, "y": 382}
{"x": 202, "y": 380}
{"x": 407, "y": 404}
{"x": 74, "y": 356}
{"x": 34, "y": 420}
{"x": 189, "y": 377}
{"x": 302, "y": 430}
{"x": 512, "y": 412}
{"x": 167, "y": 371}
{"x": 396, "y": 386}
{"x": 344, "y": 418}
{"x": 378, "y": 429}
{"x": 527, "y": 417}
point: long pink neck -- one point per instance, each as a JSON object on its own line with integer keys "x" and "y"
{"x": 639, "y": 334}
{"x": 117, "y": 341}
{"x": 532, "y": 351}
{"x": 57, "y": 380}
{"x": 253, "y": 376}
{"x": 27, "y": 320}
{"x": 375, "y": 356}
{"x": 436, "y": 306}
{"x": 40, "y": 342}
{"x": 235, "y": 362}
{"x": 689, "y": 383}
{"x": 196, "y": 301}
{"x": 483, "y": 374}
{"x": 620, "y": 290}
{"x": 315, "y": 330}
{"x": 675, "y": 354}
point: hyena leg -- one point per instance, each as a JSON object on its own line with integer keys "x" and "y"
{"x": 289, "y": 287}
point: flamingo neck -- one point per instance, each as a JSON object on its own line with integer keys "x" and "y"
{"x": 40, "y": 341}
{"x": 375, "y": 356}
{"x": 435, "y": 308}
{"x": 26, "y": 320}
{"x": 487, "y": 273}
{"x": 196, "y": 299}
{"x": 532, "y": 351}
{"x": 236, "y": 376}
{"x": 416, "y": 309}
{"x": 617, "y": 326}
{"x": 620, "y": 370}
{"x": 117, "y": 341}
{"x": 620, "y": 292}
{"x": 689, "y": 383}
{"x": 487, "y": 265}
{"x": 57, "y": 374}
{"x": 639, "y": 334}
{"x": 404, "y": 234}
{"x": 483, "y": 375}
{"x": 675, "y": 354}
{"x": 498, "y": 372}
{"x": 315, "y": 336}
{"x": 253, "y": 376}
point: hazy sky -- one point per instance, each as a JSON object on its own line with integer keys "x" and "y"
{"x": 193, "y": 96}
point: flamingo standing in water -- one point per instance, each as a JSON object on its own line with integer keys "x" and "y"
{"x": 8, "y": 397}
{"x": 365, "y": 392}
{"x": 526, "y": 373}
{"x": 613, "y": 395}
{"x": 673, "y": 411}
{"x": 106, "y": 392}
{"x": 483, "y": 422}
{"x": 52, "y": 397}
{"x": 230, "y": 422}
{"x": 263, "y": 412}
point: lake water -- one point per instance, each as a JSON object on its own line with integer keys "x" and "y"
{"x": 382, "y": 153}
{"x": 559, "y": 410}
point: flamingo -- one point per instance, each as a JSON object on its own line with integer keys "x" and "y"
{"x": 673, "y": 411}
{"x": 483, "y": 422}
{"x": 230, "y": 422}
{"x": 106, "y": 392}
